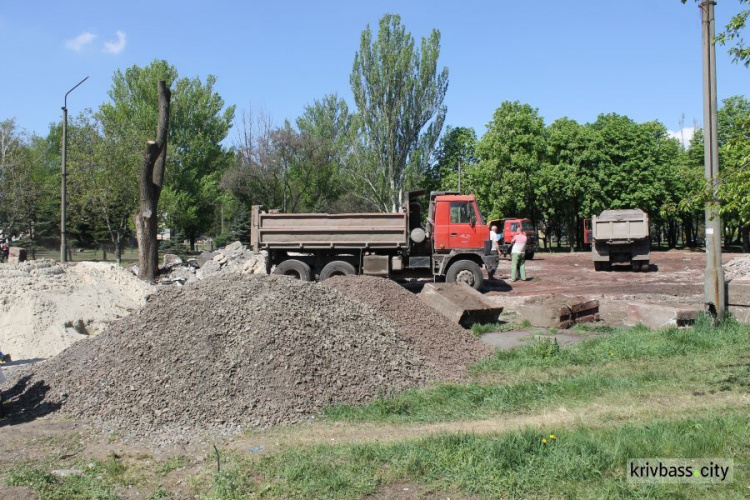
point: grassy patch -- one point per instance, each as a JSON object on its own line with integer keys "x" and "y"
{"x": 477, "y": 401}
{"x": 479, "y": 329}
{"x": 626, "y": 344}
{"x": 578, "y": 463}
{"x": 542, "y": 375}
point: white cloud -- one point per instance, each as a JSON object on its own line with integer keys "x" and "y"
{"x": 115, "y": 47}
{"x": 684, "y": 136}
{"x": 79, "y": 42}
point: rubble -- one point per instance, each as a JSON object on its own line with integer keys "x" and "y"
{"x": 234, "y": 258}
{"x": 232, "y": 351}
{"x": 738, "y": 267}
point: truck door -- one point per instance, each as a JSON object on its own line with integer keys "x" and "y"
{"x": 462, "y": 226}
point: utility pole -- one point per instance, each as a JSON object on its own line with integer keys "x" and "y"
{"x": 459, "y": 175}
{"x": 715, "y": 300}
{"x": 64, "y": 194}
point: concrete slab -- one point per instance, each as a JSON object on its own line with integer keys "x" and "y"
{"x": 660, "y": 315}
{"x": 559, "y": 311}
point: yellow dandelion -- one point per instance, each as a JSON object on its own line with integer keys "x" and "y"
{"x": 544, "y": 441}
{"x": 611, "y": 353}
{"x": 552, "y": 437}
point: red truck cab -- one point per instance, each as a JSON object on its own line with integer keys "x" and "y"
{"x": 458, "y": 223}
{"x": 509, "y": 227}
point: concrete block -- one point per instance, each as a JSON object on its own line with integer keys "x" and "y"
{"x": 738, "y": 292}
{"x": 660, "y": 315}
{"x": 740, "y": 313}
{"x": 559, "y": 311}
{"x": 16, "y": 254}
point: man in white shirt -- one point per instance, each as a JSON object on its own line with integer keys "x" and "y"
{"x": 518, "y": 255}
{"x": 495, "y": 239}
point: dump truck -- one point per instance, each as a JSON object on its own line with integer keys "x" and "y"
{"x": 452, "y": 243}
{"x": 621, "y": 237}
{"x": 509, "y": 227}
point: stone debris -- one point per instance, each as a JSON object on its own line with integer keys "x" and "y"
{"x": 737, "y": 268}
{"x": 448, "y": 346}
{"x": 234, "y": 258}
{"x": 236, "y": 350}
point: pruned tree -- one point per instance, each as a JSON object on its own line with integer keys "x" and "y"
{"x": 151, "y": 181}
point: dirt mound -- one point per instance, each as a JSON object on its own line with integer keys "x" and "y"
{"x": 46, "y": 307}
{"x": 227, "y": 351}
{"x": 446, "y": 344}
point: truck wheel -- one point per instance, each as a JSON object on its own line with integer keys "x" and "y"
{"x": 465, "y": 271}
{"x": 337, "y": 268}
{"x": 645, "y": 267}
{"x": 597, "y": 266}
{"x": 294, "y": 268}
{"x": 530, "y": 256}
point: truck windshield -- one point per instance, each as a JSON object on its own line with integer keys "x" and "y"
{"x": 527, "y": 226}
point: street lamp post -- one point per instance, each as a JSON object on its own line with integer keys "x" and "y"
{"x": 64, "y": 200}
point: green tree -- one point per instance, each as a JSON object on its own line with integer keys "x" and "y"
{"x": 195, "y": 157}
{"x": 734, "y": 161}
{"x": 197, "y": 127}
{"x": 399, "y": 94}
{"x": 567, "y": 187}
{"x": 29, "y": 188}
{"x": 511, "y": 153}
{"x": 457, "y": 151}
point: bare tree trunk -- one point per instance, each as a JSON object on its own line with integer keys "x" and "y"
{"x": 152, "y": 176}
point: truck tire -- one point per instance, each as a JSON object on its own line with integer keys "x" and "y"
{"x": 597, "y": 266}
{"x": 529, "y": 255}
{"x": 465, "y": 271}
{"x": 337, "y": 268}
{"x": 294, "y": 268}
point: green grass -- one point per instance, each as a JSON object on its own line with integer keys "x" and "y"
{"x": 478, "y": 401}
{"x": 479, "y": 329}
{"x": 580, "y": 463}
{"x": 625, "y": 363}
{"x": 99, "y": 479}
{"x": 625, "y": 344}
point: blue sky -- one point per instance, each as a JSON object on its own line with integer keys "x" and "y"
{"x": 575, "y": 58}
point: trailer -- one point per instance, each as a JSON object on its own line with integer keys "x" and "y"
{"x": 451, "y": 243}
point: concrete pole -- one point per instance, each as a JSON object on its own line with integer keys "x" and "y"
{"x": 64, "y": 193}
{"x": 64, "y": 190}
{"x": 715, "y": 300}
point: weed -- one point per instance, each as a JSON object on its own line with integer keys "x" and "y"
{"x": 479, "y": 329}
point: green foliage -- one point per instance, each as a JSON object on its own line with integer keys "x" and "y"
{"x": 511, "y": 154}
{"x": 457, "y": 149}
{"x": 195, "y": 157}
{"x": 399, "y": 94}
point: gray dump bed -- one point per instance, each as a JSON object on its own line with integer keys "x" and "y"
{"x": 328, "y": 231}
{"x": 630, "y": 224}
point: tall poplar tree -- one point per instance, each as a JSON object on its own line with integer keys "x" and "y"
{"x": 399, "y": 94}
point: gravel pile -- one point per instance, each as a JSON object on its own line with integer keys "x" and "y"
{"x": 228, "y": 351}
{"x": 737, "y": 268}
{"x": 447, "y": 345}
